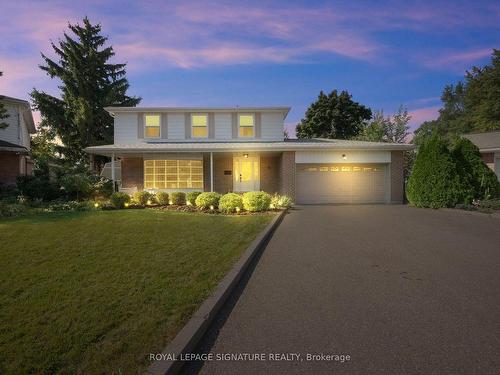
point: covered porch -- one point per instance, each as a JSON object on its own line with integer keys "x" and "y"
{"x": 220, "y": 172}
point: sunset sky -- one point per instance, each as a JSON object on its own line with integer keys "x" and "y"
{"x": 229, "y": 53}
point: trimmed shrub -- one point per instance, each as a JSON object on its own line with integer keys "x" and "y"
{"x": 162, "y": 198}
{"x": 142, "y": 197}
{"x": 70, "y": 206}
{"x": 474, "y": 171}
{"x": 119, "y": 199}
{"x": 281, "y": 201}
{"x": 191, "y": 197}
{"x": 256, "y": 201}
{"x": 11, "y": 210}
{"x": 229, "y": 202}
{"x": 34, "y": 187}
{"x": 205, "y": 200}
{"x": 178, "y": 198}
{"x": 435, "y": 180}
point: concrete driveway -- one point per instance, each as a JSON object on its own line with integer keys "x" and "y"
{"x": 400, "y": 290}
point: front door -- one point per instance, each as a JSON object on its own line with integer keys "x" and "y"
{"x": 246, "y": 174}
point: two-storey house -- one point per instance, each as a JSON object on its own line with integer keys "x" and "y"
{"x": 15, "y": 140}
{"x": 243, "y": 149}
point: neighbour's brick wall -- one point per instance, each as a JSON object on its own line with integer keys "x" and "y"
{"x": 270, "y": 173}
{"x": 9, "y": 168}
{"x": 287, "y": 174}
{"x": 132, "y": 173}
{"x": 397, "y": 180}
{"x": 223, "y": 183}
{"x": 488, "y": 157}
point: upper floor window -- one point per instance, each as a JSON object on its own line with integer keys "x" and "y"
{"x": 246, "y": 125}
{"x": 152, "y": 126}
{"x": 199, "y": 126}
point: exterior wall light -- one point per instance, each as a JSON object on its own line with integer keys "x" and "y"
{"x": 344, "y": 156}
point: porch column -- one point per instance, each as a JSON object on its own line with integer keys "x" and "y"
{"x": 212, "y": 171}
{"x": 113, "y": 177}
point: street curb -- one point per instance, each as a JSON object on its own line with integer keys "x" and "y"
{"x": 190, "y": 335}
{"x": 492, "y": 215}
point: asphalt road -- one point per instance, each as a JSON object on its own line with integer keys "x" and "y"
{"x": 400, "y": 290}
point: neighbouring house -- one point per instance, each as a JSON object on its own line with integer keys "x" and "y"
{"x": 243, "y": 149}
{"x": 489, "y": 147}
{"x": 15, "y": 140}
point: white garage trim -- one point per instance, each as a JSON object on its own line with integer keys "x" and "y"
{"x": 347, "y": 156}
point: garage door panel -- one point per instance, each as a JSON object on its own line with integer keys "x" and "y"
{"x": 335, "y": 183}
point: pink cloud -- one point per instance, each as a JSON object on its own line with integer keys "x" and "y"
{"x": 456, "y": 60}
{"x": 418, "y": 116}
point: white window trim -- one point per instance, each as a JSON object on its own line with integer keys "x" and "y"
{"x": 144, "y": 124}
{"x": 199, "y": 114}
{"x": 253, "y": 117}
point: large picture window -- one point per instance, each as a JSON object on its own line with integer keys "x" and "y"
{"x": 199, "y": 126}
{"x": 246, "y": 124}
{"x": 152, "y": 126}
{"x": 173, "y": 174}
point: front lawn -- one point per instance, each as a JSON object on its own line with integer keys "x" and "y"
{"x": 96, "y": 292}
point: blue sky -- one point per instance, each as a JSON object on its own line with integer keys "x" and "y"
{"x": 226, "y": 53}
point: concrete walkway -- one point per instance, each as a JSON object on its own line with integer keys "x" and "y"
{"x": 400, "y": 290}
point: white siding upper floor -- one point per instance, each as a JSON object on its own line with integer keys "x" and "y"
{"x": 20, "y": 122}
{"x": 222, "y": 124}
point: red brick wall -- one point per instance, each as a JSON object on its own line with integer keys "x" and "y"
{"x": 9, "y": 168}
{"x": 223, "y": 183}
{"x": 397, "y": 181}
{"x": 287, "y": 173}
{"x": 488, "y": 157}
{"x": 270, "y": 173}
{"x": 132, "y": 173}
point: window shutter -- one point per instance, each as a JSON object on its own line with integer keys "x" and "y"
{"x": 140, "y": 125}
{"x": 258, "y": 125}
{"x": 234, "y": 124}
{"x": 211, "y": 125}
{"x": 187, "y": 125}
{"x": 164, "y": 126}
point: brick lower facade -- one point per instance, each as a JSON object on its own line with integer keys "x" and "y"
{"x": 270, "y": 166}
{"x": 287, "y": 174}
{"x": 397, "y": 180}
{"x": 10, "y": 167}
{"x": 132, "y": 173}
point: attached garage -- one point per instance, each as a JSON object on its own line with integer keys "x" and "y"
{"x": 341, "y": 183}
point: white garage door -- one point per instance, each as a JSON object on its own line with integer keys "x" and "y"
{"x": 340, "y": 183}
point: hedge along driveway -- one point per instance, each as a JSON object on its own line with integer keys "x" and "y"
{"x": 96, "y": 292}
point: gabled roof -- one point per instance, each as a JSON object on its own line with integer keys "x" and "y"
{"x": 489, "y": 141}
{"x": 240, "y": 146}
{"x": 27, "y": 115}
{"x": 12, "y": 147}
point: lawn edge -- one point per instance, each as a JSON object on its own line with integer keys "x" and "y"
{"x": 493, "y": 215}
{"x": 191, "y": 334}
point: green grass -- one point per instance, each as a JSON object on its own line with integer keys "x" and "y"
{"x": 96, "y": 292}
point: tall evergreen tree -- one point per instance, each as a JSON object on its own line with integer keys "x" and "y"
{"x": 3, "y": 113}
{"x": 89, "y": 82}
{"x": 334, "y": 116}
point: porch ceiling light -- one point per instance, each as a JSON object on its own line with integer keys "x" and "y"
{"x": 344, "y": 156}
{"x": 245, "y": 155}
